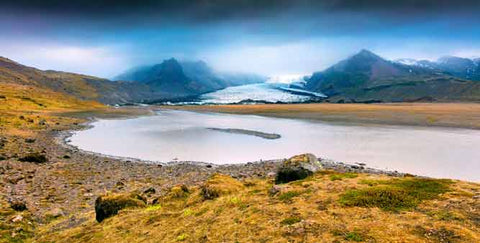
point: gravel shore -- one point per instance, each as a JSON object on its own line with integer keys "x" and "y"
{"x": 71, "y": 179}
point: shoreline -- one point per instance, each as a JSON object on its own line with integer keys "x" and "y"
{"x": 62, "y": 137}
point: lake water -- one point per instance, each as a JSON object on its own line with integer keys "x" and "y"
{"x": 182, "y": 135}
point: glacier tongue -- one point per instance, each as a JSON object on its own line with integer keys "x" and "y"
{"x": 269, "y": 92}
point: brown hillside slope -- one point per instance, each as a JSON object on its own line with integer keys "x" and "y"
{"x": 83, "y": 87}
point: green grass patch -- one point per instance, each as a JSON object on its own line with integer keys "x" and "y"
{"x": 291, "y": 220}
{"x": 396, "y": 194}
{"x": 354, "y": 236}
{"x": 337, "y": 177}
{"x": 287, "y": 196}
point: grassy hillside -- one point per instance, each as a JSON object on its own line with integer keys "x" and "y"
{"x": 80, "y": 86}
{"x": 28, "y": 108}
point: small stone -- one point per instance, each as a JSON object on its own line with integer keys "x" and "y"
{"x": 55, "y": 213}
{"x": 18, "y": 205}
{"x": 17, "y": 218}
{"x": 271, "y": 174}
{"x": 275, "y": 189}
{"x": 150, "y": 190}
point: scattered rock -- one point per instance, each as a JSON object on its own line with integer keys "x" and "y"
{"x": 107, "y": 206}
{"x": 67, "y": 156}
{"x": 17, "y": 218}
{"x": 271, "y": 174}
{"x": 55, "y": 213}
{"x": 30, "y": 140}
{"x": 3, "y": 141}
{"x": 37, "y": 158}
{"x": 120, "y": 184}
{"x": 150, "y": 190}
{"x": 42, "y": 122}
{"x": 274, "y": 190}
{"x": 18, "y": 205}
{"x": 298, "y": 167}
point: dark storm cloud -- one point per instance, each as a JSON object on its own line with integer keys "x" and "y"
{"x": 206, "y": 10}
{"x": 126, "y": 33}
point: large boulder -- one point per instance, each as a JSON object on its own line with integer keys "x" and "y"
{"x": 297, "y": 167}
{"x": 109, "y": 205}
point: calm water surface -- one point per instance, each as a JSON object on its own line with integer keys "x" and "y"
{"x": 182, "y": 135}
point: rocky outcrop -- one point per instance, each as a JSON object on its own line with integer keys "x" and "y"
{"x": 297, "y": 167}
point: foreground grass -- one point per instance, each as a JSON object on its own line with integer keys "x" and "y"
{"x": 350, "y": 209}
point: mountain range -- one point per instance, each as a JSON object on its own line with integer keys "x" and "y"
{"x": 363, "y": 77}
{"x": 367, "y": 77}
{"x": 456, "y": 66}
{"x": 167, "y": 80}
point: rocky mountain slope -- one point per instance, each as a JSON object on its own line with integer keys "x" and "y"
{"x": 464, "y": 68}
{"x": 366, "y": 77}
{"x": 187, "y": 77}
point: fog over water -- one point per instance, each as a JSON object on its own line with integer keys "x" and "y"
{"x": 184, "y": 136}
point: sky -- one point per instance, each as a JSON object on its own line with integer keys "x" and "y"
{"x": 274, "y": 37}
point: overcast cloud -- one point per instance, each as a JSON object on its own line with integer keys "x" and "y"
{"x": 104, "y": 38}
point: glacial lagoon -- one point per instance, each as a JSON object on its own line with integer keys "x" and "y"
{"x": 187, "y": 136}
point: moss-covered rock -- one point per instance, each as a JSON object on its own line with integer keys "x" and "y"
{"x": 219, "y": 185}
{"x": 37, "y": 158}
{"x": 297, "y": 167}
{"x": 109, "y": 205}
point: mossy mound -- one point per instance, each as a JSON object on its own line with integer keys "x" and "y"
{"x": 395, "y": 195}
{"x": 297, "y": 167}
{"x": 109, "y": 205}
{"x": 37, "y": 158}
{"x": 219, "y": 185}
{"x": 181, "y": 191}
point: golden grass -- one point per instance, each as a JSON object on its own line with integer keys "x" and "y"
{"x": 314, "y": 213}
{"x": 425, "y": 114}
{"x": 27, "y": 109}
